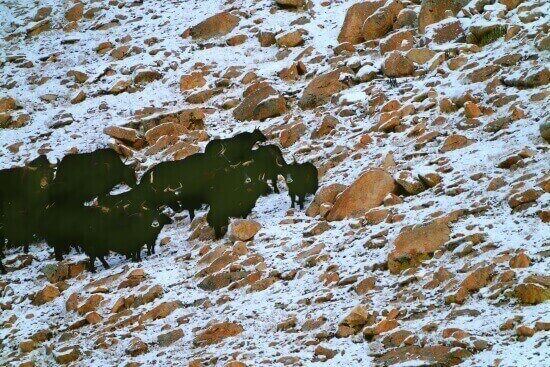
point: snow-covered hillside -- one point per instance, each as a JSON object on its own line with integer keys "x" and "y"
{"x": 426, "y": 245}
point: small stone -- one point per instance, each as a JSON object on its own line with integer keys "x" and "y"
{"x": 396, "y": 65}
{"x": 192, "y": 81}
{"x": 521, "y": 260}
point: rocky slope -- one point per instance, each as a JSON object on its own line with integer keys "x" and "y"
{"x": 426, "y": 245}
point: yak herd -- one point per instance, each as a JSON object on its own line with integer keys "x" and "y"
{"x": 71, "y": 205}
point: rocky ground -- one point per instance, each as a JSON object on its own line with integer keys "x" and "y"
{"x": 426, "y": 245}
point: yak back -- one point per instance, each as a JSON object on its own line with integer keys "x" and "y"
{"x": 81, "y": 177}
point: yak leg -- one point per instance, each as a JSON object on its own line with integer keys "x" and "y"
{"x": 2, "y": 267}
{"x": 292, "y": 199}
{"x": 191, "y": 214}
{"x": 104, "y": 262}
{"x": 275, "y": 188}
{"x": 301, "y": 200}
{"x": 150, "y": 248}
{"x": 91, "y": 264}
{"x": 26, "y": 248}
{"x": 138, "y": 255}
{"x": 58, "y": 253}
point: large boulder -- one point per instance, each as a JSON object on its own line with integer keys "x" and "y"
{"x": 355, "y": 17}
{"x": 261, "y": 101}
{"x": 433, "y": 11}
{"x": 367, "y": 192}
{"x": 381, "y": 21}
{"x": 397, "y": 65}
{"x": 322, "y": 87}
{"x": 217, "y": 25}
{"x": 417, "y": 243}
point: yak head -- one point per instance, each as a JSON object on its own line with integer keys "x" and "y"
{"x": 161, "y": 220}
{"x": 43, "y": 169}
{"x": 129, "y": 176}
{"x": 258, "y": 136}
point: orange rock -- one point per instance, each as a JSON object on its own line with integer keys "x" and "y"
{"x": 433, "y": 11}
{"x": 381, "y": 21}
{"x": 455, "y": 141}
{"x": 243, "y": 230}
{"x": 217, "y": 332}
{"x": 385, "y": 326}
{"x": 416, "y": 243}
{"x": 396, "y": 65}
{"x": 192, "y": 81}
{"x": 261, "y": 101}
{"x": 521, "y": 260}
{"x": 398, "y": 41}
{"x": 160, "y": 312}
{"x": 47, "y": 294}
{"x": 351, "y": 30}
{"x": 367, "y": 192}
{"x": 217, "y": 25}
{"x": 322, "y": 87}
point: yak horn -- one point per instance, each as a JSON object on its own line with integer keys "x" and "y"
{"x": 277, "y": 162}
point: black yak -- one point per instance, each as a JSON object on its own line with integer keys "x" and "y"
{"x": 268, "y": 164}
{"x": 236, "y": 148}
{"x": 301, "y": 179}
{"x": 97, "y": 231}
{"x": 233, "y": 195}
{"x": 82, "y": 177}
{"x": 23, "y": 196}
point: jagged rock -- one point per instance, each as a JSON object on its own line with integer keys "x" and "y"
{"x": 243, "y": 230}
{"x": 533, "y": 290}
{"x": 357, "y": 318}
{"x": 47, "y": 294}
{"x": 169, "y": 337}
{"x": 7, "y": 103}
{"x": 160, "y": 312}
{"x": 65, "y": 355}
{"x": 511, "y": 4}
{"x": 396, "y": 65}
{"x": 381, "y": 21}
{"x": 136, "y": 347}
{"x": 266, "y": 39}
{"x": 147, "y": 76}
{"x": 365, "y": 193}
{"x": 192, "y": 81}
{"x": 321, "y": 88}
{"x": 447, "y": 30}
{"x": 433, "y": 11}
{"x": 530, "y": 78}
{"x": 355, "y": 17}
{"x": 261, "y": 102}
{"x": 417, "y": 243}
{"x": 74, "y": 14}
{"x": 420, "y": 55}
{"x": 325, "y": 195}
{"x": 455, "y": 141}
{"x": 398, "y": 41}
{"x": 122, "y": 133}
{"x": 292, "y": 134}
{"x": 290, "y": 38}
{"x": 215, "y": 26}
{"x": 429, "y": 355}
{"x": 63, "y": 271}
{"x": 410, "y": 182}
{"x": 91, "y": 304}
{"x": 27, "y": 345}
{"x": 291, "y": 3}
{"x": 217, "y": 332}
